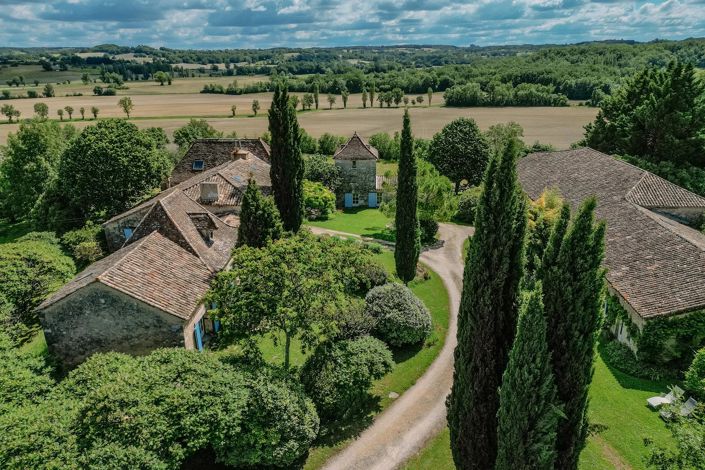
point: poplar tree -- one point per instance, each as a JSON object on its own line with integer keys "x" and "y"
{"x": 259, "y": 219}
{"x": 408, "y": 242}
{"x": 528, "y": 416}
{"x": 316, "y": 90}
{"x": 573, "y": 281}
{"x": 488, "y": 315}
{"x": 287, "y": 165}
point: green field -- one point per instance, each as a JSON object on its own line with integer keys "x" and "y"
{"x": 617, "y": 401}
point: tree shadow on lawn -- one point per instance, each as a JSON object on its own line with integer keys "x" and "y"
{"x": 634, "y": 383}
{"x": 404, "y": 354}
{"x": 350, "y": 426}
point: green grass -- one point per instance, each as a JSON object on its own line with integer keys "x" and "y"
{"x": 37, "y": 346}
{"x": 410, "y": 364}
{"x": 365, "y": 222}
{"x": 11, "y": 232}
{"x": 617, "y": 401}
{"x": 384, "y": 166}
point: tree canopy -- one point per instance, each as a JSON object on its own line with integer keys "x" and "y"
{"x": 460, "y": 152}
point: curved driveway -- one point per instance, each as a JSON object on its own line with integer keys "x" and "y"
{"x": 420, "y": 413}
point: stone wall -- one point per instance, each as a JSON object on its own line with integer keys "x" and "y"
{"x": 114, "y": 230}
{"x": 361, "y": 179}
{"x": 98, "y": 318}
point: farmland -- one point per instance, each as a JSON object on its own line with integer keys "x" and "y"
{"x": 559, "y": 126}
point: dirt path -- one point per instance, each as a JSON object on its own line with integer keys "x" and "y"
{"x": 611, "y": 454}
{"x": 420, "y": 413}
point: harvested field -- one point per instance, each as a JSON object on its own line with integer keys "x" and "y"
{"x": 557, "y": 126}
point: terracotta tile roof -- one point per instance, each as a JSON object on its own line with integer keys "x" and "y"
{"x": 173, "y": 217}
{"x": 215, "y": 152}
{"x": 655, "y": 263}
{"x": 234, "y": 175}
{"x": 356, "y": 149}
{"x": 154, "y": 269}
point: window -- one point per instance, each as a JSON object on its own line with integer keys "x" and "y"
{"x": 198, "y": 165}
{"x": 354, "y": 163}
{"x": 356, "y": 199}
{"x": 127, "y": 232}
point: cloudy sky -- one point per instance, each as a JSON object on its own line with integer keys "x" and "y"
{"x": 269, "y": 23}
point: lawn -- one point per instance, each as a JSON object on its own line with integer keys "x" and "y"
{"x": 363, "y": 221}
{"x": 11, "y": 232}
{"x": 410, "y": 364}
{"x": 617, "y": 401}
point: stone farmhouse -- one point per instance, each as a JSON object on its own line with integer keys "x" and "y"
{"x": 655, "y": 261}
{"x": 357, "y": 161}
{"x": 147, "y": 293}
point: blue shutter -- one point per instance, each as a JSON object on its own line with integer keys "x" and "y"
{"x": 127, "y": 232}
{"x": 199, "y": 336}
{"x": 372, "y": 199}
{"x": 216, "y": 325}
{"x": 348, "y": 200}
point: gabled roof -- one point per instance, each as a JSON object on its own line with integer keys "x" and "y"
{"x": 655, "y": 263}
{"x": 172, "y": 216}
{"x": 356, "y": 149}
{"x": 232, "y": 177}
{"x": 215, "y": 152}
{"x": 154, "y": 270}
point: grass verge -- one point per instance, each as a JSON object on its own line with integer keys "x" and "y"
{"x": 363, "y": 221}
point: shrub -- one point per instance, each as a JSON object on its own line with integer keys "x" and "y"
{"x": 353, "y": 321}
{"x": 695, "y": 375}
{"x": 86, "y": 245}
{"x": 308, "y": 144}
{"x": 429, "y": 229}
{"x": 622, "y": 358}
{"x": 322, "y": 169}
{"x": 354, "y": 263}
{"x": 338, "y": 375}
{"x": 401, "y": 317}
{"x": 319, "y": 201}
{"x": 195, "y": 129}
{"x": 467, "y": 204}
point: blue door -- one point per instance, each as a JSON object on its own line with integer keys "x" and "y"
{"x": 372, "y": 199}
{"x": 348, "y": 200}
{"x": 198, "y": 333}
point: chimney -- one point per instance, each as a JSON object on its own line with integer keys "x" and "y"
{"x": 240, "y": 153}
{"x": 209, "y": 192}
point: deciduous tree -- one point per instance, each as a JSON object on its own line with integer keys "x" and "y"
{"x": 460, "y": 152}
{"x": 41, "y": 110}
{"x": 126, "y": 104}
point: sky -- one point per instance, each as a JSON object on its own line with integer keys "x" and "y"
{"x": 208, "y": 24}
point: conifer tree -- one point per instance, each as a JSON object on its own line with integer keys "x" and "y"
{"x": 287, "y": 165}
{"x": 259, "y": 219}
{"x": 573, "y": 283}
{"x": 527, "y": 418}
{"x": 408, "y": 242}
{"x": 488, "y": 315}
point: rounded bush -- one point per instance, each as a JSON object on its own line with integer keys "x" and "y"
{"x": 401, "y": 317}
{"x": 467, "y": 204}
{"x": 429, "y": 229}
{"x": 338, "y": 375}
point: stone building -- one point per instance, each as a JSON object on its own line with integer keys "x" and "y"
{"x": 357, "y": 161}
{"x": 655, "y": 261}
{"x": 205, "y": 154}
{"x": 219, "y": 189}
{"x": 148, "y": 293}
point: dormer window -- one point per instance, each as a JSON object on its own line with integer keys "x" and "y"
{"x": 198, "y": 165}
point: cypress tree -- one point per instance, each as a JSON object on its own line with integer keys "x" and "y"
{"x": 488, "y": 314}
{"x": 527, "y": 418}
{"x": 408, "y": 242}
{"x": 573, "y": 282}
{"x": 259, "y": 219}
{"x": 287, "y": 165}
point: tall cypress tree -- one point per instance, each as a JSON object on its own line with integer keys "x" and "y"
{"x": 408, "y": 242}
{"x": 287, "y": 165}
{"x": 259, "y": 219}
{"x": 488, "y": 315}
{"x": 573, "y": 282}
{"x": 526, "y": 433}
